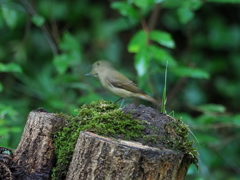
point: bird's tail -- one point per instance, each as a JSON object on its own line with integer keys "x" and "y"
{"x": 148, "y": 98}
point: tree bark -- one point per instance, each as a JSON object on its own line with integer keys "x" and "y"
{"x": 34, "y": 155}
{"x": 96, "y": 157}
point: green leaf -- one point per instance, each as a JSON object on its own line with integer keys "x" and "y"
{"x": 142, "y": 60}
{"x": 38, "y": 20}
{"x": 212, "y": 108}
{"x": 172, "y": 3}
{"x": 207, "y": 138}
{"x": 4, "y": 132}
{"x": 71, "y": 54}
{"x": 185, "y": 15}
{"x": 163, "y": 38}
{"x": 61, "y": 63}
{"x": 7, "y": 110}
{"x": 190, "y": 4}
{"x": 206, "y": 119}
{"x": 125, "y": 9}
{"x": 164, "y": 94}
{"x": 236, "y": 119}
{"x": 143, "y": 4}
{"x": 137, "y": 42}
{"x": 10, "y": 67}
{"x": 161, "y": 56}
{"x": 69, "y": 43}
{"x": 64, "y": 61}
{"x": 183, "y": 71}
{"x": 10, "y": 16}
{"x": 16, "y": 129}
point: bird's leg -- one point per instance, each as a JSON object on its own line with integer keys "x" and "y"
{"x": 117, "y": 100}
{"x": 121, "y": 102}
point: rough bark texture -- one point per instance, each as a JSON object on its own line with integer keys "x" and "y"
{"x": 34, "y": 155}
{"x": 96, "y": 157}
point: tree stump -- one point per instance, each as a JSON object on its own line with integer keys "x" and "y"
{"x": 96, "y": 157}
{"x": 34, "y": 156}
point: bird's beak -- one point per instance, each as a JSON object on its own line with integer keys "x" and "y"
{"x": 88, "y": 67}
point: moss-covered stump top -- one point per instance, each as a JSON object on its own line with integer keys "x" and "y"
{"x": 133, "y": 123}
{"x": 162, "y": 131}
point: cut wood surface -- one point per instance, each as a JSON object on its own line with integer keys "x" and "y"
{"x": 96, "y": 157}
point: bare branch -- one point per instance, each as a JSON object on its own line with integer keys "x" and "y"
{"x": 43, "y": 28}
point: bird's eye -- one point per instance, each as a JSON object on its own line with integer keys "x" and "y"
{"x": 98, "y": 63}
{"x": 96, "y": 74}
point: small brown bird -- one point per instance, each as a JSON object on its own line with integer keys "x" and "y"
{"x": 117, "y": 83}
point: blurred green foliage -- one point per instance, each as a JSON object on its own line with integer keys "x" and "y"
{"x": 46, "y": 47}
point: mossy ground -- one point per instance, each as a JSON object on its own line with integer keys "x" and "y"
{"x": 106, "y": 119}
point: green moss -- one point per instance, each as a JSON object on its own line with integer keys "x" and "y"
{"x": 104, "y": 118}
{"x": 177, "y": 139}
{"x": 101, "y": 117}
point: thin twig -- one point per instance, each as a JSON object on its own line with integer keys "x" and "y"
{"x": 154, "y": 17}
{"x": 176, "y": 89}
{"x": 146, "y": 30}
{"x": 228, "y": 161}
{"x": 224, "y": 142}
{"x": 26, "y": 33}
{"x": 47, "y": 35}
{"x": 148, "y": 27}
{"x": 55, "y": 31}
{"x": 214, "y": 126}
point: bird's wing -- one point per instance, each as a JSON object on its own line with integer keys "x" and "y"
{"x": 120, "y": 81}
